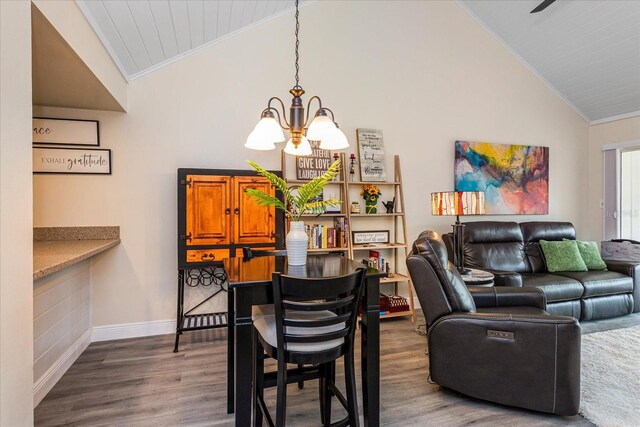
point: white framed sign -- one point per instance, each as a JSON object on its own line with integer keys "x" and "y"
{"x": 371, "y": 154}
{"x": 72, "y": 160}
{"x": 370, "y": 237}
{"x": 46, "y": 131}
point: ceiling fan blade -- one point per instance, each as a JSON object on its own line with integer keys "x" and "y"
{"x": 542, "y": 6}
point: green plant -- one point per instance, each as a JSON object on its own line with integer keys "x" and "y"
{"x": 297, "y": 199}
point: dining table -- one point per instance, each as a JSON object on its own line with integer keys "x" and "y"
{"x": 250, "y": 284}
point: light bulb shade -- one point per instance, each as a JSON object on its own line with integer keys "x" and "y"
{"x": 338, "y": 142}
{"x": 303, "y": 149}
{"x": 321, "y": 128}
{"x": 265, "y": 134}
{"x": 457, "y": 203}
{"x": 257, "y": 141}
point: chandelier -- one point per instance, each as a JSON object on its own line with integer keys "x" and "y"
{"x": 270, "y": 130}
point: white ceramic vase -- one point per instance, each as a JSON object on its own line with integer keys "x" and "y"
{"x": 297, "y": 243}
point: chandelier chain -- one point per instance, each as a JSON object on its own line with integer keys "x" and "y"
{"x": 297, "y": 45}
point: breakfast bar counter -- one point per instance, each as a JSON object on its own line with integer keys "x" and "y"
{"x": 55, "y": 248}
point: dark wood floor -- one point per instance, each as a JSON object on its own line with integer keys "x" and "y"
{"x": 141, "y": 382}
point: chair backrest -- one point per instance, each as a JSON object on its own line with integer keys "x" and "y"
{"x": 534, "y": 231}
{"x": 316, "y": 311}
{"x": 496, "y": 245}
{"x": 249, "y": 253}
{"x": 439, "y": 286}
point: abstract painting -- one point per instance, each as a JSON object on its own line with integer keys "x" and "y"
{"x": 514, "y": 178}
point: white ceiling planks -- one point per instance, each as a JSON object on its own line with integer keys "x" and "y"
{"x": 587, "y": 51}
{"x": 142, "y": 35}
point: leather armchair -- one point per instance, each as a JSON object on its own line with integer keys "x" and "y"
{"x": 496, "y": 344}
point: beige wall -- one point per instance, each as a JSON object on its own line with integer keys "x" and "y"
{"x": 69, "y": 21}
{"x": 599, "y": 135}
{"x": 16, "y": 262}
{"x": 426, "y": 75}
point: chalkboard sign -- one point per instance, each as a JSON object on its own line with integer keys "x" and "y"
{"x": 314, "y": 165}
{"x": 371, "y": 152}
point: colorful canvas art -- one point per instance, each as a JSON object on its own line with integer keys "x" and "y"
{"x": 514, "y": 178}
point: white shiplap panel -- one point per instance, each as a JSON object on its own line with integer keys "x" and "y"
{"x": 224, "y": 16}
{"x": 248, "y": 12}
{"x": 121, "y": 16}
{"x": 69, "y": 313}
{"x": 103, "y": 25}
{"x": 180, "y": 16}
{"x": 78, "y": 326}
{"x": 237, "y": 9}
{"x": 164, "y": 25}
{"x": 143, "y": 17}
{"x": 43, "y": 323}
{"x": 196, "y": 22}
{"x": 59, "y": 290}
{"x": 210, "y": 11}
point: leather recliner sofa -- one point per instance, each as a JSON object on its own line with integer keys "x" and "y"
{"x": 512, "y": 252}
{"x": 496, "y": 344}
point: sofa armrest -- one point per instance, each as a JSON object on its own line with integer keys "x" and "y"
{"x": 631, "y": 269}
{"x": 530, "y": 361}
{"x": 506, "y": 296}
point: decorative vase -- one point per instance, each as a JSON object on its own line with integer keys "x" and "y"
{"x": 371, "y": 204}
{"x": 297, "y": 243}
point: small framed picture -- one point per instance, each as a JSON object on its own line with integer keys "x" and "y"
{"x": 370, "y": 237}
{"x": 371, "y": 152}
{"x": 46, "y": 131}
{"x": 72, "y": 160}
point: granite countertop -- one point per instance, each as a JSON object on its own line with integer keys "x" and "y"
{"x": 55, "y": 248}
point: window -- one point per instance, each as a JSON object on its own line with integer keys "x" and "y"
{"x": 630, "y": 194}
{"x": 621, "y": 198}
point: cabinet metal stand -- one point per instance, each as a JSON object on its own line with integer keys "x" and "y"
{"x": 212, "y": 276}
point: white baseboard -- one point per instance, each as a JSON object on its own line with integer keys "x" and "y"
{"x": 45, "y": 383}
{"x": 132, "y": 330}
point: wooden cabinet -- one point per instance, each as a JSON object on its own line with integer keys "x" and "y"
{"x": 252, "y": 223}
{"x": 216, "y": 217}
{"x": 208, "y": 210}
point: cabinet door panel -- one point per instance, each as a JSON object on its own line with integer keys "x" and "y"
{"x": 208, "y": 217}
{"x": 253, "y": 223}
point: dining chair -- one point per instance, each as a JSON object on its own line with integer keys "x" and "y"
{"x": 265, "y": 309}
{"x": 313, "y": 326}
{"x": 250, "y": 253}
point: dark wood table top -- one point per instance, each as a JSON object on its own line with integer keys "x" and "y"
{"x": 260, "y": 269}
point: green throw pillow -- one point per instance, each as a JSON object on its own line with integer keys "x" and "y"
{"x": 562, "y": 256}
{"x": 591, "y": 255}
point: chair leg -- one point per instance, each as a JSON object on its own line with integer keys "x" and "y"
{"x": 350, "y": 381}
{"x": 258, "y": 392}
{"x": 325, "y": 393}
{"x": 281, "y": 403}
{"x": 301, "y": 383}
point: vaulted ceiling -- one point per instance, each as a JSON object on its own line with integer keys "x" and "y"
{"x": 587, "y": 51}
{"x": 142, "y": 35}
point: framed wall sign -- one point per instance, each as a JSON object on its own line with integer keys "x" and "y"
{"x": 47, "y": 131}
{"x": 371, "y": 152}
{"x": 314, "y": 165}
{"x": 370, "y": 237}
{"x": 71, "y": 160}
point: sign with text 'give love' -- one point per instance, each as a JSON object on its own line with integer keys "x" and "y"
{"x": 71, "y": 160}
{"x": 314, "y": 165}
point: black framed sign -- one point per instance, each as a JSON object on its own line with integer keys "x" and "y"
{"x": 72, "y": 160}
{"x": 370, "y": 237}
{"x": 48, "y": 131}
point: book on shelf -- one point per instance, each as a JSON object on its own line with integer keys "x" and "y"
{"x": 324, "y": 237}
